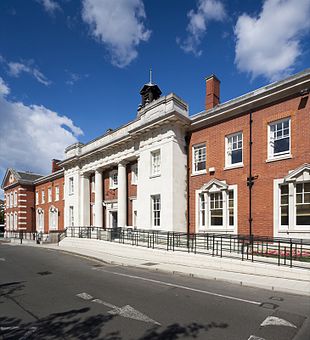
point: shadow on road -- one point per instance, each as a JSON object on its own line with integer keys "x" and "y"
{"x": 75, "y": 324}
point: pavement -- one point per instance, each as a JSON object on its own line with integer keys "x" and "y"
{"x": 245, "y": 273}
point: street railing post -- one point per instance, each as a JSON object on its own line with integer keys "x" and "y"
{"x": 291, "y": 253}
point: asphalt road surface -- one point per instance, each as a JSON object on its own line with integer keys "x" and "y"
{"x": 50, "y": 294}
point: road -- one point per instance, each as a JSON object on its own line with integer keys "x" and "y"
{"x": 50, "y": 294}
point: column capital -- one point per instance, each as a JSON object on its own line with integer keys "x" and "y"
{"x": 122, "y": 163}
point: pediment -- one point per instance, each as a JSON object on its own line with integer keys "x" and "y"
{"x": 10, "y": 178}
{"x": 300, "y": 174}
{"x": 214, "y": 185}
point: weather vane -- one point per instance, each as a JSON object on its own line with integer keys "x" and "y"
{"x": 151, "y": 75}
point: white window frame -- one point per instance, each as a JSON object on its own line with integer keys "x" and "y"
{"x": 49, "y": 194}
{"x": 42, "y": 196}
{"x": 226, "y": 227}
{"x": 71, "y": 185}
{"x": 156, "y": 211}
{"x": 37, "y": 197}
{"x": 270, "y": 141}
{"x": 53, "y": 218}
{"x": 71, "y": 215}
{"x": 134, "y": 174}
{"x": 292, "y": 227}
{"x": 57, "y": 195}
{"x": 229, "y": 149}
{"x": 92, "y": 184}
{"x": 113, "y": 179}
{"x": 155, "y": 163}
{"x": 40, "y": 220}
{"x": 15, "y": 198}
{"x": 195, "y": 161}
{"x": 11, "y": 199}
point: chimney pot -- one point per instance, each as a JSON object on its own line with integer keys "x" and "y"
{"x": 212, "y": 92}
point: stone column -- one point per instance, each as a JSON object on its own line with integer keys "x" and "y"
{"x": 85, "y": 201}
{"x": 122, "y": 196}
{"x": 98, "y": 199}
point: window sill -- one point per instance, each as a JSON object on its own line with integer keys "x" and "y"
{"x": 292, "y": 231}
{"x": 279, "y": 158}
{"x": 203, "y": 172}
{"x": 234, "y": 166}
{"x": 154, "y": 176}
{"x": 113, "y": 188}
{"x": 229, "y": 230}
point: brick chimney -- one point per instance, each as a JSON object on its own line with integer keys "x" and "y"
{"x": 212, "y": 92}
{"x": 55, "y": 166}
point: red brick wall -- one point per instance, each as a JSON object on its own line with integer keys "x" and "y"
{"x": 57, "y": 204}
{"x": 24, "y": 207}
{"x": 214, "y": 136}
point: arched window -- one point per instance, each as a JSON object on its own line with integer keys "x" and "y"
{"x": 40, "y": 220}
{"x": 15, "y": 221}
{"x": 53, "y": 218}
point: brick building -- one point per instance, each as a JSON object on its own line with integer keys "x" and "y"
{"x": 24, "y": 193}
{"x": 19, "y": 200}
{"x": 49, "y": 200}
{"x": 249, "y": 161}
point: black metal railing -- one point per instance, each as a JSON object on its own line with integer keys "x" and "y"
{"x": 53, "y": 236}
{"x": 281, "y": 251}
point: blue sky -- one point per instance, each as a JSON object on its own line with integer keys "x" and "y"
{"x": 71, "y": 69}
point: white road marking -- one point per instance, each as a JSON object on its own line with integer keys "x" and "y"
{"x": 254, "y": 337}
{"x": 84, "y": 296}
{"x": 274, "y": 321}
{"x": 2, "y": 259}
{"x": 181, "y": 287}
{"x": 125, "y": 311}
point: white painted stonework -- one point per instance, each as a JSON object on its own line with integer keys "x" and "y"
{"x": 160, "y": 126}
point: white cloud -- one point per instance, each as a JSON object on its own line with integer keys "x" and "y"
{"x": 207, "y": 10}
{"x": 32, "y": 135}
{"x": 270, "y": 43}
{"x": 50, "y": 6}
{"x": 15, "y": 69}
{"x": 4, "y": 89}
{"x": 119, "y": 25}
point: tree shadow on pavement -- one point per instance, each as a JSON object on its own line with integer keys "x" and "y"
{"x": 176, "y": 331}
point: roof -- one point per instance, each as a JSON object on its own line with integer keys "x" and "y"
{"x": 49, "y": 177}
{"x": 22, "y": 177}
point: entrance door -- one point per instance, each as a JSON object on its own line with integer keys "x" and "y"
{"x": 113, "y": 219}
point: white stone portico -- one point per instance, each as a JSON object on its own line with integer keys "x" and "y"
{"x": 156, "y": 135}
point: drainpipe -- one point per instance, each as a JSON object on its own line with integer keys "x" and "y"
{"x": 250, "y": 179}
{"x": 187, "y": 186}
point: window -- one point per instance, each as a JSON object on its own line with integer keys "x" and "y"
{"x": 11, "y": 200}
{"x": 7, "y": 200}
{"x": 155, "y": 163}
{"x": 57, "y": 193}
{"x": 156, "y": 205}
{"x": 279, "y": 138}
{"x": 37, "y": 197}
{"x": 15, "y": 221}
{"x": 40, "y": 220}
{"x": 216, "y": 207}
{"x": 134, "y": 174}
{"x": 49, "y": 194}
{"x": 234, "y": 149}
{"x": 92, "y": 181}
{"x": 43, "y": 197}
{"x": 113, "y": 179}
{"x": 303, "y": 203}
{"x": 291, "y": 213}
{"x": 71, "y": 216}
{"x": 53, "y": 218}
{"x": 71, "y": 186}
{"x": 284, "y": 206}
{"x": 231, "y": 207}
{"x": 15, "y": 199}
{"x": 203, "y": 210}
{"x": 199, "y": 158}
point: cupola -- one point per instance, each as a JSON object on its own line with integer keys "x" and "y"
{"x": 149, "y": 92}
